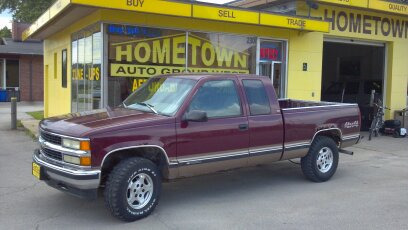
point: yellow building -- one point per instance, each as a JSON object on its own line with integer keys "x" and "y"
{"x": 96, "y": 52}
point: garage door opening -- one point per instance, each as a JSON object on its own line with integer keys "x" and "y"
{"x": 353, "y": 74}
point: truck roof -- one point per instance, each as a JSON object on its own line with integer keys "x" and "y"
{"x": 198, "y": 76}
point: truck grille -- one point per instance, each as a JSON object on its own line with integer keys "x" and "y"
{"x": 52, "y": 154}
{"x": 51, "y": 138}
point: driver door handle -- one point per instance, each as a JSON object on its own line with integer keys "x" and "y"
{"x": 243, "y": 127}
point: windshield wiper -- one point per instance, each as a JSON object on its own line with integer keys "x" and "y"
{"x": 148, "y": 106}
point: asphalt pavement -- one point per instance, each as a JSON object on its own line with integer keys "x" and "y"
{"x": 369, "y": 191}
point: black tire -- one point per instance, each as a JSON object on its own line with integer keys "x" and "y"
{"x": 392, "y": 124}
{"x": 309, "y": 163}
{"x": 116, "y": 190}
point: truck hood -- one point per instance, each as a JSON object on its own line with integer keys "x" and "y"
{"x": 87, "y": 123}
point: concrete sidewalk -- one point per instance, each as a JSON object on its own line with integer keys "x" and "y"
{"x": 22, "y": 109}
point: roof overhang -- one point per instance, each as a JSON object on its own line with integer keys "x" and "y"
{"x": 65, "y": 12}
{"x": 49, "y": 23}
{"x": 398, "y": 7}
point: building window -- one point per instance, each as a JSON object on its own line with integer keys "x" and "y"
{"x": 138, "y": 53}
{"x": 221, "y": 53}
{"x": 86, "y": 70}
{"x": 55, "y": 65}
{"x": 64, "y": 68}
{"x": 272, "y": 64}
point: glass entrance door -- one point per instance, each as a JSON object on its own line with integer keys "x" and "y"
{"x": 273, "y": 71}
{"x": 265, "y": 69}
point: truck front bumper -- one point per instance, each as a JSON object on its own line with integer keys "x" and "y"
{"x": 78, "y": 182}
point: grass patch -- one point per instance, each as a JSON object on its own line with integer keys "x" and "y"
{"x": 38, "y": 115}
{"x": 19, "y": 124}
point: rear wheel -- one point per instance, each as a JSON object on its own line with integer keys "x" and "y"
{"x": 133, "y": 188}
{"x": 321, "y": 162}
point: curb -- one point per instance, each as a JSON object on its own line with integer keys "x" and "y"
{"x": 31, "y": 126}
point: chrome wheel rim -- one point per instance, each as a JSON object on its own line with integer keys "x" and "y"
{"x": 324, "y": 160}
{"x": 139, "y": 191}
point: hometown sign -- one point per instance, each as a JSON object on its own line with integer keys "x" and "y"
{"x": 167, "y": 54}
{"x": 366, "y": 23}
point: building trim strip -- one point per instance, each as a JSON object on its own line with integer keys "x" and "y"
{"x": 190, "y": 10}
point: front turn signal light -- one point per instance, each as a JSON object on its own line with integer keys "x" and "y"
{"x": 85, "y": 161}
{"x": 85, "y": 146}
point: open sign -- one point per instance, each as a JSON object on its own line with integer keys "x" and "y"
{"x": 270, "y": 54}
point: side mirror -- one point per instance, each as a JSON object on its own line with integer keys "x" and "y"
{"x": 196, "y": 116}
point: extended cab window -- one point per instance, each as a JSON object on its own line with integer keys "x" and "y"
{"x": 217, "y": 99}
{"x": 257, "y": 98}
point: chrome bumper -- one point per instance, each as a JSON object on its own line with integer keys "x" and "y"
{"x": 67, "y": 179}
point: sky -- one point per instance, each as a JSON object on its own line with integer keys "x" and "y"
{"x": 5, "y": 17}
{"x": 5, "y": 20}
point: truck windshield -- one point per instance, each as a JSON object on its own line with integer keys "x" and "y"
{"x": 162, "y": 95}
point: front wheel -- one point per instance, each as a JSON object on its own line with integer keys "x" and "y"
{"x": 321, "y": 162}
{"x": 133, "y": 188}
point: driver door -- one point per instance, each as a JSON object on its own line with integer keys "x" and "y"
{"x": 220, "y": 143}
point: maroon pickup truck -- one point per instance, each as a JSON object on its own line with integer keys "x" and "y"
{"x": 183, "y": 125}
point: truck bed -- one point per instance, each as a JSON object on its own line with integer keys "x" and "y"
{"x": 304, "y": 119}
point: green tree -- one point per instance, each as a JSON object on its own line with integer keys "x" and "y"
{"x": 5, "y": 32}
{"x": 25, "y": 10}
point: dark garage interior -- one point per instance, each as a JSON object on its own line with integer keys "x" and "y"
{"x": 352, "y": 74}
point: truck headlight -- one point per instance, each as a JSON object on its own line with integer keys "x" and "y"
{"x": 71, "y": 144}
{"x": 75, "y": 144}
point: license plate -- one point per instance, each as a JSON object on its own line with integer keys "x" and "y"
{"x": 37, "y": 171}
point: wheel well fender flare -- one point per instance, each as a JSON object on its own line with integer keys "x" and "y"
{"x": 333, "y": 132}
{"x": 162, "y": 152}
